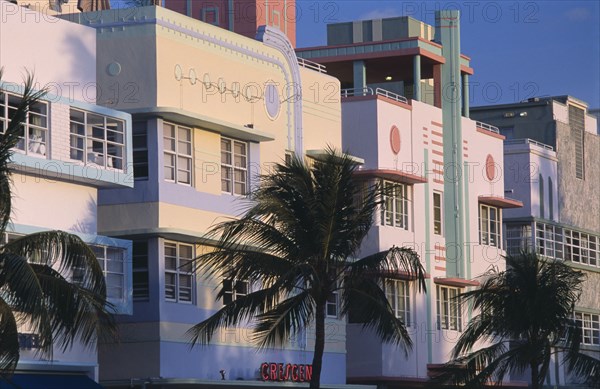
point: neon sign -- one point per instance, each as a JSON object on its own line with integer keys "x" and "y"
{"x": 285, "y": 372}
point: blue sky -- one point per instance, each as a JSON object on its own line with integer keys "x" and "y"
{"x": 519, "y": 49}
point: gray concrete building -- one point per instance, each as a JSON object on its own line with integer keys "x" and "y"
{"x": 552, "y": 164}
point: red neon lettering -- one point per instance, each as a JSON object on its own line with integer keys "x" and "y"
{"x": 288, "y": 374}
{"x": 301, "y": 373}
{"x": 308, "y": 372}
{"x": 264, "y": 371}
{"x": 294, "y": 372}
{"x": 280, "y": 371}
{"x": 273, "y": 371}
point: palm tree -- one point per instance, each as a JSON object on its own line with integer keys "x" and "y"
{"x": 526, "y": 313}
{"x": 299, "y": 238}
{"x": 35, "y": 291}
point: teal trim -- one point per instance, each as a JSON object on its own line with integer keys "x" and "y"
{"x": 417, "y": 77}
{"x": 430, "y": 284}
{"x": 360, "y": 74}
{"x": 467, "y": 246}
{"x": 121, "y": 307}
{"x": 52, "y": 98}
{"x": 465, "y": 95}
{"x": 448, "y": 31}
{"x": 55, "y": 170}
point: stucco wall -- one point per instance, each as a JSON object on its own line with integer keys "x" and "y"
{"x": 579, "y": 203}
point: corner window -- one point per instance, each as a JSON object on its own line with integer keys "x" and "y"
{"x": 97, "y": 139}
{"x": 449, "y": 315}
{"x": 590, "y": 328}
{"x": 397, "y": 293}
{"x": 179, "y": 276}
{"x": 177, "y": 144}
{"x": 490, "y": 225}
{"x": 437, "y": 213}
{"x": 395, "y": 205}
{"x": 234, "y": 166}
{"x": 234, "y": 289}
{"x": 34, "y": 131}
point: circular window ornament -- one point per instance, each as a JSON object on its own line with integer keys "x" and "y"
{"x": 272, "y": 101}
{"x": 395, "y": 142}
{"x": 490, "y": 167}
{"x": 114, "y": 69}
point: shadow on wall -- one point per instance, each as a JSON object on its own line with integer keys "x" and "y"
{"x": 89, "y": 223}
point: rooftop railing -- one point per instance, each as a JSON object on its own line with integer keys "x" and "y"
{"x": 528, "y": 141}
{"x": 487, "y": 127}
{"x": 368, "y": 91}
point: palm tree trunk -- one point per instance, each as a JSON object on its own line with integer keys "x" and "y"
{"x": 315, "y": 382}
{"x": 534, "y": 375}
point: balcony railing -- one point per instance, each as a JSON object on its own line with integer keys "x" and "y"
{"x": 528, "y": 141}
{"x": 487, "y": 127}
{"x": 311, "y": 65}
{"x": 368, "y": 91}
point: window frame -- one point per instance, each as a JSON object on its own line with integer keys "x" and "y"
{"x": 104, "y": 260}
{"x": 486, "y": 223}
{"x": 108, "y": 160}
{"x": 394, "y": 294}
{"x": 333, "y": 303}
{"x": 440, "y": 207}
{"x": 233, "y": 167}
{"x": 589, "y": 326}
{"x": 176, "y": 154}
{"x": 232, "y": 292}
{"x": 178, "y": 273}
{"x": 399, "y": 218}
{"x": 28, "y": 126}
{"x": 449, "y": 308}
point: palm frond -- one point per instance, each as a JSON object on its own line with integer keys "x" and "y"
{"x": 64, "y": 251}
{"x": 9, "y": 352}
{"x": 76, "y": 313}
{"x": 364, "y": 301}
{"x": 238, "y": 311}
{"x": 9, "y": 139}
{"x": 276, "y": 326}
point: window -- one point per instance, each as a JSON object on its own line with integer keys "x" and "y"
{"x": 177, "y": 143}
{"x": 577, "y": 124}
{"x": 590, "y": 327}
{"x": 234, "y": 166}
{"x": 141, "y": 289}
{"x": 489, "y": 225}
{"x": 542, "y": 198}
{"x": 112, "y": 263}
{"x": 179, "y": 278}
{"x": 448, "y": 308}
{"x": 518, "y": 238}
{"x": 34, "y": 131}
{"x": 395, "y": 205}
{"x": 97, "y": 139}
{"x": 210, "y": 15}
{"x": 437, "y": 213}
{"x": 140, "y": 151}
{"x": 398, "y": 296}
{"x": 331, "y": 306}
{"x": 234, "y": 288}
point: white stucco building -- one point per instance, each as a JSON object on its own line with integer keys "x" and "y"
{"x": 71, "y": 148}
